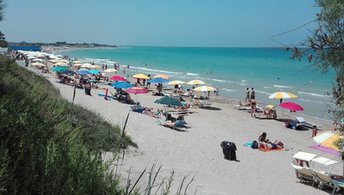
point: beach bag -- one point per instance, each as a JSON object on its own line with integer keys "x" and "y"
{"x": 254, "y": 144}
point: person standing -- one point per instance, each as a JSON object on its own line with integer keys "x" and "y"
{"x": 253, "y": 94}
{"x": 88, "y": 88}
{"x": 253, "y": 107}
{"x": 314, "y": 131}
{"x": 247, "y": 99}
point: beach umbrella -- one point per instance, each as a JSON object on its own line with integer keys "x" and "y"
{"x": 292, "y": 106}
{"x": 122, "y": 85}
{"x": 96, "y": 67}
{"x": 117, "y": 78}
{"x": 77, "y": 65}
{"x": 60, "y": 64}
{"x": 269, "y": 106}
{"x": 164, "y": 76}
{"x": 83, "y": 71}
{"x": 176, "y": 82}
{"x": 86, "y": 65}
{"x": 140, "y": 76}
{"x": 158, "y": 80}
{"x": 282, "y": 95}
{"x": 110, "y": 70}
{"x": 137, "y": 90}
{"x": 38, "y": 64}
{"x": 77, "y": 62}
{"x": 68, "y": 72}
{"x": 195, "y": 82}
{"x": 59, "y": 68}
{"x": 204, "y": 88}
{"x": 326, "y": 142}
{"x": 93, "y": 71}
{"x": 167, "y": 100}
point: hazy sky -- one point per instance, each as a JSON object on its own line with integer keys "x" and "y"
{"x": 225, "y": 23}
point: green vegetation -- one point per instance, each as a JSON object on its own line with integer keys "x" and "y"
{"x": 48, "y": 145}
{"x": 325, "y": 49}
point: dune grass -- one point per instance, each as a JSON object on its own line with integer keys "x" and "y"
{"x": 48, "y": 145}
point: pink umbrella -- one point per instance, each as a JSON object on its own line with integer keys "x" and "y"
{"x": 117, "y": 78}
{"x": 291, "y": 106}
{"x": 137, "y": 90}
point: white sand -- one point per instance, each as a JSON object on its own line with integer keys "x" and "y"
{"x": 197, "y": 152}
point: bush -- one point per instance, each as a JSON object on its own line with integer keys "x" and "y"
{"x": 48, "y": 145}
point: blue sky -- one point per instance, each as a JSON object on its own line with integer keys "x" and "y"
{"x": 210, "y": 23}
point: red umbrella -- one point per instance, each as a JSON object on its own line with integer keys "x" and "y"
{"x": 117, "y": 78}
{"x": 291, "y": 106}
{"x": 137, "y": 90}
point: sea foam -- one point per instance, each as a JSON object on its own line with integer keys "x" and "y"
{"x": 313, "y": 94}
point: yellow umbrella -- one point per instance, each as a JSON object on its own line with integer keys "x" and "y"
{"x": 196, "y": 82}
{"x": 269, "y": 106}
{"x": 176, "y": 82}
{"x": 140, "y": 76}
{"x": 96, "y": 67}
{"x": 110, "y": 70}
{"x": 77, "y": 65}
{"x": 282, "y": 95}
{"x": 204, "y": 88}
{"x": 329, "y": 142}
{"x": 164, "y": 76}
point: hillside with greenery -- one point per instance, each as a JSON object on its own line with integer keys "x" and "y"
{"x": 48, "y": 145}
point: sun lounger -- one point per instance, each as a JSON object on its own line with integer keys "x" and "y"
{"x": 305, "y": 174}
{"x": 337, "y": 182}
{"x": 240, "y": 107}
{"x": 323, "y": 179}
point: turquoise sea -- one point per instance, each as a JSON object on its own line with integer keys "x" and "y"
{"x": 231, "y": 70}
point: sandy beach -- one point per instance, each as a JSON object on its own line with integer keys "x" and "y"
{"x": 197, "y": 151}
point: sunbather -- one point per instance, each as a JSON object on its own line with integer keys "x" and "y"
{"x": 177, "y": 124}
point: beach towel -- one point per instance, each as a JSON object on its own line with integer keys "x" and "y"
{"x": 108, "y": 96}
{"x": 248, "y": 144}
{"x": 270, "y": 149}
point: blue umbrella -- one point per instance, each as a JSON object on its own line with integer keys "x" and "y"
{"x": 59, "y": 68}
{"x": 68, "y": 72}
{"x": 158, "y": 80}
{"x": 94, "y": 71}
{"x": 83, "y": 72}
{"x": 169, "y": 101}
{"x": 122, "y": 85}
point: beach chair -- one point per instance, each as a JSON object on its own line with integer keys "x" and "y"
{"x": 301, "y": 162}
{"x": 305, "y": 174}
{"x": 323, "y": 178}
{"x": 337, "y": 182}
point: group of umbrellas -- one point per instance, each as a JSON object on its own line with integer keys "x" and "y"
{"x": 292, "y": 106}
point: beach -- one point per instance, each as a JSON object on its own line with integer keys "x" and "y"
{"x": 197, "y": 152}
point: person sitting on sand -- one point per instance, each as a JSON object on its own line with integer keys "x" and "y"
{"x": 262, "y": 138}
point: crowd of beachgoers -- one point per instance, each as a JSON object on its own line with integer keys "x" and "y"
{"x": 191, "y": 107}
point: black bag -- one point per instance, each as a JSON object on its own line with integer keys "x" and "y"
{"x": 229, "y": 150}
{"x": 254, "y": 144}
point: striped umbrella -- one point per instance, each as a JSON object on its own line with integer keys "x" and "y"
{"x": 176, "y": 82}
{"x": 282, "y": 95}
{"x": 137, "y": 90}
{"x": 164, "y": 76}
{"x": 204, "y": 88}
{"x": 195, "y": 82}
{"x": 140, "y": 76}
